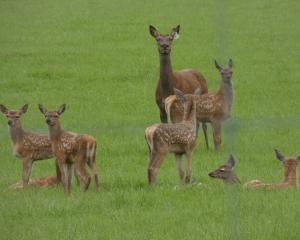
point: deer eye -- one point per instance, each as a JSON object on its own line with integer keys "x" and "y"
{"x": 222, "y": 170}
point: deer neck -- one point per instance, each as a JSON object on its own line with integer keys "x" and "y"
{"x": 232, "y": 179}
{"x": 189, "y": 115}
{"x": 55, "y": 132}
{"x": 166, "y": 76}
{"x": 16, "y": 133}
{"x": 227, "y": 92}
{"x": 291, "y": 175}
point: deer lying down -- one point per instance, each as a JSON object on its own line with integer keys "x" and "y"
{"x": 179, "y": 138}
{"x": 29, "y": 147}
{"x": 213, "y": 107}
{"x": 39, "y": 182}
{"x": 227, "y": 174}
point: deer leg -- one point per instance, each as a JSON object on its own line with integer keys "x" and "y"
{"x": 204, "y": 128}
{"x": 69, "y": 167}
{"x": 92, "y": 165}
{"x": 189, "y": 155}
{"x": 217, "y": 135}
{"x": 82, "y": 173}
{"x": 179, "y": 165}
{"x": 154, "y": 166}
{"x": 58, "y": 173}
{"x": 27, "y": 166}
{"x": 64, "y": 176}
{"x": 77, "y": 178}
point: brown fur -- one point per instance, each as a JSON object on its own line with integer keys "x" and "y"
{"x": 29, "y": 147}
{"x": 39, "y": 182}
{"x": 214, "y": 107}
{"x": 179, "y": 138}
{"x": 187, "y": 80}
{"x": 71, "y": 149}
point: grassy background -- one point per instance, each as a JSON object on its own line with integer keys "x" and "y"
{"x": 98, "y": 57}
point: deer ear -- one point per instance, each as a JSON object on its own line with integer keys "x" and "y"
{"x": 231, "y": 161}
{"x": 180, "y": 95}
{"x": 175, "y": 32}
{"x": 61, "y": 109}
{"x": 197, "y": 92}
{"x": 24, "y": 109}
{"x": 3, "y": 109}
{"x": 217, "y": 65}
{"x": 230, "y": 63}
{"x": 279, "y": 155}
{"x": 42, "y": 109}
{"x": 153, "y": 31}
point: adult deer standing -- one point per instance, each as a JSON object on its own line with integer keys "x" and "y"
{"x": 71, "y": 148}
{"x": 29, "y": 147}
{"x": 214, "y": 107}
{"x": 179, "y": 138}
{"x": 187, "y": 80}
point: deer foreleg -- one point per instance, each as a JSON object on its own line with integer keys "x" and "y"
{"x": 217, "y": 135}
{"x": 179, "y": 165}
{"x": 189, "y": 155}
{"x": 27, "y": 166}
{"x": 204, "y": 128}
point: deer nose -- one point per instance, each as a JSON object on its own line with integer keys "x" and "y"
{"x": 48, "y": 121}
{"x": 9, "y": 122}
{"x": 165, "y": 46}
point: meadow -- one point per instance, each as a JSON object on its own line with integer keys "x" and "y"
{"x": 99, "y": 58}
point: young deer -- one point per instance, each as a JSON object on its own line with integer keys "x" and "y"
{"x": 178, "y": 138}
{"x": 27, "y": 146}
{"x": 212, "y": 107}
{"x": 39, "y": 182}
{"x": 71, "y": 148}
{"x": 290, "y": 178}
{"x": 226, "y": 172}
{"x": 187, "y": 80}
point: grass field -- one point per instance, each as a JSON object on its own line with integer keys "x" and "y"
{"x": 99, "y": 59}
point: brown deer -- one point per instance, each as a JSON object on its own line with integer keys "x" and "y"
{"x": 226, "y": 172}
{"x": 290, "y": 178}
{"x": 214, "y": 107}
{"x": 179, "y": 138}
{"x": 187, "y": 80}
{"x": 71, "y": 149}
{"x": 29, "y": 147}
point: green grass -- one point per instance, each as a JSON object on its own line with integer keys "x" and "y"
{"x": 98, "y": 57}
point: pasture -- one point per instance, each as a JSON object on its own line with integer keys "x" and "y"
{"x": 99, "y": 58}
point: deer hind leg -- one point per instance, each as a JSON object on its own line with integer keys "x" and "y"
{"x": 179, "y": 165}
{"x": 217, "y": 135}
{"x": 154, "y": 165}
{"x": 83, "y": 174}
{"x": 92, "y": 164}
{"x": 27, "y": 166}
{"x": 189, "y": 155}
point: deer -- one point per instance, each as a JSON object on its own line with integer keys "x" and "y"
{"x": 213, "y": 107}
{"x": 39, "y": 182}
{"x": 27, "y": 146}
{"x": 290, "y": 179}
{"x": 71, "y": 150}
{"x": 186, "y": 80}
{"x": 178, "y": 138}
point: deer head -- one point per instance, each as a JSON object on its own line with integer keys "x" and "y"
{"x": 164, "y": 41}
{"x": 226, "y": 73}
{"x": 290, "y": 165}
{"x": 13, "y": 116}
{"x": 226, "y": 172}
{"x": 52, "y": 117}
